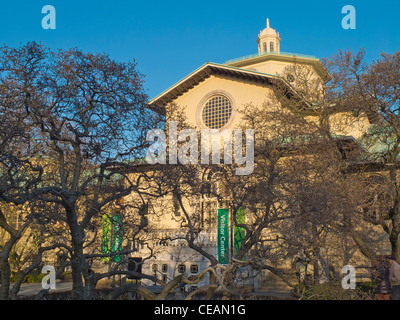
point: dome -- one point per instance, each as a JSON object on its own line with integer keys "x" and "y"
{"x": 268, "y": 31}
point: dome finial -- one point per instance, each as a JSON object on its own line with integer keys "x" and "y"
{"x": 268, "y": 40}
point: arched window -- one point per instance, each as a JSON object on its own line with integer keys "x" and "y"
{"x": 271, "y": 47}
{"x": 264, "y": 47}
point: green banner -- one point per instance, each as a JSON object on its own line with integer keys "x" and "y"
{"x": 239, "y": 232}
{"x": 117, "y": 237}
{"x": 223, "y": 236}
{"x": 111, "y": 239}
{"x": 106, "y": 237}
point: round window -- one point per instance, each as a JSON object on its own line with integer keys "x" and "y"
{"x": 290, "y": 77}
{"x": 216, "y": 112}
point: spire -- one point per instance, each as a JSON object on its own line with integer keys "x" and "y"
{"x": 268, "y": 40}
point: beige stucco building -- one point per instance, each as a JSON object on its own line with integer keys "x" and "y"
{"x": 212, "y": 97}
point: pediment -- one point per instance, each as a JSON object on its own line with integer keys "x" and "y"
{"x": 201, "y": 74}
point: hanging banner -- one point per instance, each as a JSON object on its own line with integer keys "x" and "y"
{"x": 223, "y": 236}
{"x": 111, "y": 239}
{"x": 116, "y": 243}
{"x": 239, "y": 232}
{"x": 105, "y": 237}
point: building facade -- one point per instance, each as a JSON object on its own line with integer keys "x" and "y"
{"x": 212, "y": 97}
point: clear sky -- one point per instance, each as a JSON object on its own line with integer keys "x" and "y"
{"x": 170, "y": 39}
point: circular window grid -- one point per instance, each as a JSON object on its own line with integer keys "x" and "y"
{"x": 216, "y": 112}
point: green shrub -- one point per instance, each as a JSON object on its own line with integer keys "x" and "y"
{"x": 67, "y": 275}
{"x": 30, "y": 278}
{"x": 366, "y": 287}
{"x": 332, "y": 290}
{"x": 34, "y": 277}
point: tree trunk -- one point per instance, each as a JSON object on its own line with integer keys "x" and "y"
{"x": 5, "y": 278}
{"x": 146, "y": 293}
{"x": 77, "y": 254}
{"x": 211, "y": 290}
{"x": 395, "y": 216}
{"x": 394, "y": 239}
{"x": 77, "y": 282}
{"x": 316, "y": 272}
{"x": 90, "y": 283}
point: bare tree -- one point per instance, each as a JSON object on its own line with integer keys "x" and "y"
{"x": 87, "y": 119}
{"x": 371, "y": 89}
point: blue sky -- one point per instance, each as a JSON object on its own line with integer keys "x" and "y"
{"x": 170, "y": 39}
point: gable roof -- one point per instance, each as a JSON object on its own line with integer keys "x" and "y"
{"x": 206, "y": 71}
{"x": 283, "y": 57}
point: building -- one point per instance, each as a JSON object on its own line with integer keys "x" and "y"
{"x": 212, "y": 97}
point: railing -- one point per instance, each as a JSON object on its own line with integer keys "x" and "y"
{"x": 267, "y": 53}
